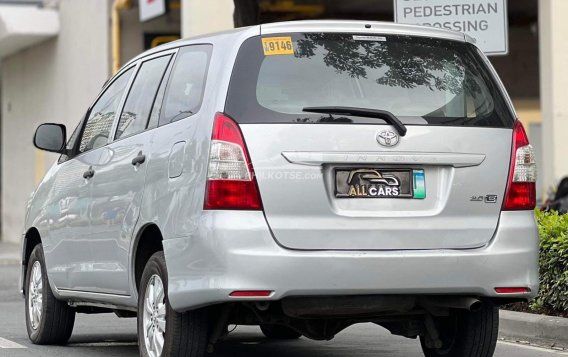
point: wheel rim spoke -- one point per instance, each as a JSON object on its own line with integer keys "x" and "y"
{"x": 38, "y": 314}
{"x": 159, "y": 293}
{"x": 151, "y": 298}
{"x": 158, "y": 341}
{"x": 148, "y": 327}
{"x": 150, "y": 339}
{"x": 161, "y": 325}
{"x": 148, "y": 306}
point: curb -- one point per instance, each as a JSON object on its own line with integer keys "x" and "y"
{"x": 540, "y": 330}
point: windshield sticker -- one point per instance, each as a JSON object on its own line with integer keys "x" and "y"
{"x": 369, "y": 38}
{"x": 277, "y": 46}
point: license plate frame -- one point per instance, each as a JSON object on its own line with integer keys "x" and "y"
{"x": 373, "y": 182}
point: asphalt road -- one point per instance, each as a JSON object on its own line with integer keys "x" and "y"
{"x": 108, "y": 336}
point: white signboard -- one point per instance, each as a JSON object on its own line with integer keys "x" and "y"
{"x": 151, "y": 8}
{"x": 484, "y": 20}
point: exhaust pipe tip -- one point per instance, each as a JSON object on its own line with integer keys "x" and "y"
{"x": 475, "y": 306}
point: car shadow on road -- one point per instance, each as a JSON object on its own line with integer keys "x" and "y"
{"x": 96, "y": 344}
{"x": 255, "y": 344}
{"x": 248, "y": 344}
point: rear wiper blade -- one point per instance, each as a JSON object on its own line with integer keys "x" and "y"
{"x": 361, "y": 112}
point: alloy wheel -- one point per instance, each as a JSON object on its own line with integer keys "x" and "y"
{"x": 35, "y": 296}
{"x": 154, "y": 317}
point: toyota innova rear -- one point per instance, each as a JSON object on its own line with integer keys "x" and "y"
{"x": 302, "y": 177}
{"x": 393, "y": 176}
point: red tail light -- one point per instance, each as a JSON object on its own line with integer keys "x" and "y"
{"x": 521, "y": 187}
{"x": 231, "y": 183}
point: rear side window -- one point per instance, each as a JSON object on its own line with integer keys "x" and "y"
{"x": 184, "y": 93}
{"x": 422, "y": 81}
{"x": 101, "y": 117}
{"x": 134, "y": 116}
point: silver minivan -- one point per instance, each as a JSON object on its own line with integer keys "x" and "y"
{"x": 300, "y": 176}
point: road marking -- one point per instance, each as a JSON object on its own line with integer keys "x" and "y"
{"x": 103, "y": 344}
{"x": 4, "y": 343}
{"x": 534, "y": 348}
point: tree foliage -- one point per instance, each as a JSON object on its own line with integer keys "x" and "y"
{"x": 407, "y": 62}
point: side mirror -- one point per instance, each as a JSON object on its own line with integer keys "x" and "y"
{"x": 50, "y": 137}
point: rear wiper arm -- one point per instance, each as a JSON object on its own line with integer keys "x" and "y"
{"x": 361, "y": 112}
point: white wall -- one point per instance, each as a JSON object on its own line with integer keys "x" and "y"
{"x": 204, "y": 16}
{"x": 553, "y": 28}
{"x": 55, "y": 81}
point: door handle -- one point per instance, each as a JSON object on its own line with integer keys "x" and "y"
{"x": 139, "y": 160}
{"x": 89, "y": 173}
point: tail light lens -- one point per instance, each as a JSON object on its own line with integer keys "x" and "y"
{"x": 521, "y": 188}
{"x": 231, "y": 183}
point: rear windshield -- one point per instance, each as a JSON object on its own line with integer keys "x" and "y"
{"x": 422, "y": 81}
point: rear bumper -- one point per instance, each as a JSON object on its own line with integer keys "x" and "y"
{"x": 236, "y": 251}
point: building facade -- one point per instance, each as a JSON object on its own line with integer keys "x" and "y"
{"x": 56, "y": 55}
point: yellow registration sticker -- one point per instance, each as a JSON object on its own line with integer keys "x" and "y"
{"x": 277, "y": 46}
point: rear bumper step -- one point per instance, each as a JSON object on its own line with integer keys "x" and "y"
{"x": 244, "y": 256}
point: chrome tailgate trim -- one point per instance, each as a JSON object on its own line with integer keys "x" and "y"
{"x": 317, "y": 158}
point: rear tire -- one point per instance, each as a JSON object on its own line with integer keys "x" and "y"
{"x": 466, "y": 333}
{"x": 279, "y": 332}
{"x": 49, "y": 321}
{"x": 180, "y": 334}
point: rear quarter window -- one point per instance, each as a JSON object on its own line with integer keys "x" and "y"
{"x": 186, "y": 86}
{"x": 422, "y": 81}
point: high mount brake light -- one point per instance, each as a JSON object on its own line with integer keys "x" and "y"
{"x": 231, "y": 183}
{"x": 521, "y": 186}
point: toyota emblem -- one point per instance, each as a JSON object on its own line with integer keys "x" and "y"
{"x": 387, "y": 138}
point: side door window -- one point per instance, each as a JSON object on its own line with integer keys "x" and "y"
{"x": 101, "y": 117}
{"x": 187, "y": 83}
{"x": 136, "y": 111}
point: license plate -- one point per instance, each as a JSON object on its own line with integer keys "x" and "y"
{"x": 380, "y": 183}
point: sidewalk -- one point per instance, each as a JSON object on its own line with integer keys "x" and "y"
{"x": 9, "y": 253}
{"x": 541, "y": 330}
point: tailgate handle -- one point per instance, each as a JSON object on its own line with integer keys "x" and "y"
{"x": 313, "y": 158}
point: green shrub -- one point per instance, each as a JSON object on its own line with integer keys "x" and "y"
{"x": 553, "y": 231}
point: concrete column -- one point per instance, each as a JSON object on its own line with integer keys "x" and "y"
{"x": 205, "y": 16}
{"x": 54, "y": 81}
{"x": 553, "y": 28}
